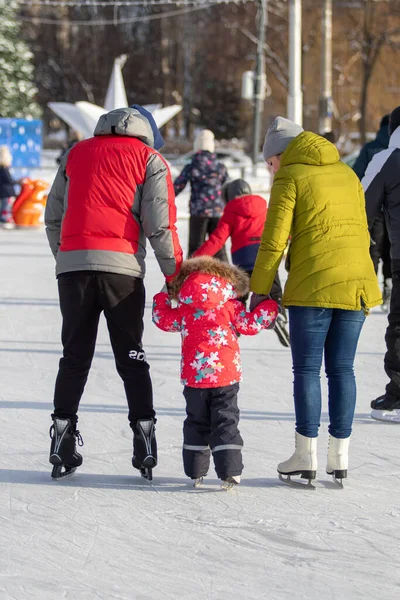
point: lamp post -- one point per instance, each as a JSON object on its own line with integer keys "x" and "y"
{"x": 259, "y": 77}
{"x": 295, "y": 94}
{"x": 325, "y": 102}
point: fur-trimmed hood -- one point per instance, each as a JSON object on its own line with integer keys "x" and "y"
{"x": 214, "y": 268}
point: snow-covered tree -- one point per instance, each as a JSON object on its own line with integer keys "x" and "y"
{"x": 17, "y": 90}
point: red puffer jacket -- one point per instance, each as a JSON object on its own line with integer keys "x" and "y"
{"x": 209, "y": 318}
{"x": 111, "y": 192}
{"x": 243, "y": 220}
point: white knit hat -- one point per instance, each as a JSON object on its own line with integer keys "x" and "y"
{"x": 204, "y": 140}
{"x": 281, "y": 132}
{"x": 5, "y": 157}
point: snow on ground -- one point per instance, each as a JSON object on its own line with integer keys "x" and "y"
{"x": 106, "y": 533}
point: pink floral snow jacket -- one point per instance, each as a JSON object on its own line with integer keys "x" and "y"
{"x": 209, "y": 318}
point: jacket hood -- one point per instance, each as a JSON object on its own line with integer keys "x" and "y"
{"x": 310, "y": 149}
{"x": 208, "y": 282}
{"x": 247, "y": 206}
{"x": 395, "y": 139}
{"x": 128, "y": 122}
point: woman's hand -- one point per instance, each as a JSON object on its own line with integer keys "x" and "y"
{"x": 255, "y": 300}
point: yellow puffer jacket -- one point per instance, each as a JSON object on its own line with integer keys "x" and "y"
{"x": 319, "y": 202}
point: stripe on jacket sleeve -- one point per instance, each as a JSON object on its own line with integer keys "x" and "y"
{"x": 158, "y": 215}
{"x": 56, "y": 206}
{"x": 375, "y": 167}
{"x": 381, "y": 172}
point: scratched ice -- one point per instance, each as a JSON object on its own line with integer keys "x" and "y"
{"x": 105, "y": 533}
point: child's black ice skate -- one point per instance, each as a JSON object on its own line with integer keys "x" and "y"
{"x": 63, "y": 455}
{"x": 144, "y": 447}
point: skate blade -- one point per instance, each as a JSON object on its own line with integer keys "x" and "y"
{"x": 198, "y": 482}
{"x": 147, "y": 473}
{"x": 229, "y": 483}
{"x": 388, "y": 416}
{"x": 149, "y": 462}
{"x": 283, "y": 335}
{"x": 62, "y": 471}
{"x": 338, "y": 476}
{"x": 226, "y": 486}
{"x": 288, "y": 481}
{"x": 338, "y": 481}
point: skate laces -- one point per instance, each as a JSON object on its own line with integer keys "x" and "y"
{"x": 78, "y": 436}
{"x": 74, "y": 432}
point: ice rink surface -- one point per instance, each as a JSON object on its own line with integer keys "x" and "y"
{"x": 105, "y": 533}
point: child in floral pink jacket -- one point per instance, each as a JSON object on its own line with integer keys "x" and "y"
{"x": 209, "y": 319}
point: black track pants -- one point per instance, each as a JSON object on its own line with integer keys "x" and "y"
{"x": 199, "y": 227}
{"x": 392, "y": 338}
{"x": 83, "y": 296}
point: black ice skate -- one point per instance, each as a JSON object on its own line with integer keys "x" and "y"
{"x": 386, "y": 408}
{"x": 63, "y": 455}
{"x": 281, "y": 331}
{"x": 144, "y": 448}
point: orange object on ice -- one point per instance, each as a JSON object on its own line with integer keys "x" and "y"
{"x": 29, "y": 206}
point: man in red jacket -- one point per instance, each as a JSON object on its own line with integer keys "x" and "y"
{"x": 111, "y": 192}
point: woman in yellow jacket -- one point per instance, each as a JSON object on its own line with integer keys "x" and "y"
{"x": 318, "y": 202}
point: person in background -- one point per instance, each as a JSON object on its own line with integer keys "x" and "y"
{"x": 380, "y": 243}
{"x": 330, "y": 136}
{"x": 368, "y": 151}
{"x": 319, "y": 202}
{"x": 111, "y": 192}
{"x": 382, "y": 193}
{"x": 206, "y": 176}
{"x": 74, "y": 138}
{"x": 7, "y": 189}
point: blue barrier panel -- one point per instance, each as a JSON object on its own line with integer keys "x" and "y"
{"x": 24, "y": 139}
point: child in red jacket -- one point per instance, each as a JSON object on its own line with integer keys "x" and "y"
{"x": 209, "y": 318}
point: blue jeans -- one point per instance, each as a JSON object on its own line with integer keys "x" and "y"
{"x": 335, "y": 333}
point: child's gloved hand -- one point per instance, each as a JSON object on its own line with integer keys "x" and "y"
{"x": 255, "y": 300}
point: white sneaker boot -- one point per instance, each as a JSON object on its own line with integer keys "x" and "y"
{"x": 304, "y": 460}
{"x": 338, "y": 457}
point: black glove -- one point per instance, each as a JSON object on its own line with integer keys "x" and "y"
{"x": 256, "y": 299}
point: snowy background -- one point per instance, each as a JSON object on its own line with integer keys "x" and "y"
{"x": 106, "y": 533}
